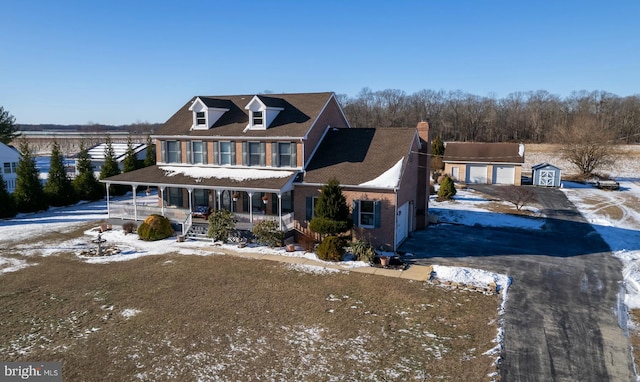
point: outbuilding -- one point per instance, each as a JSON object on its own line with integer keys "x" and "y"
{"x": 484, "y": 163}
{"x": 545, "y": 175}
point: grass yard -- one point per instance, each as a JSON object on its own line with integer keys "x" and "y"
{"x": 224, "y": 318}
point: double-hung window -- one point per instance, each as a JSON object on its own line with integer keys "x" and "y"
{"x": 171, "y": 152}
{"x": 257, "y": 118}
{"x": 198, "y": 154}
{"x": 253, "y": 153}
{"x": 7, "y": 167}
{"x": 224, "y": 153}
{"x": 200, "y": 118}
{"x": 283, "y": 154}
{"x": 366, "y": 213}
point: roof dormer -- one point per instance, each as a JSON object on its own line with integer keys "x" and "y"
{"x": 262, "y": 111}
{"x": 205, "y": 113}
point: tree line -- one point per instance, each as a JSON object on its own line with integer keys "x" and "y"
{"x": 59, "y": 190}
{"x": 527, "y": 117}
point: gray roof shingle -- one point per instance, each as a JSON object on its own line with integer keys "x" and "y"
{"x": 300, "y": 111}
{"x": 483, "y": 152}
{"x": 358, "y": 155}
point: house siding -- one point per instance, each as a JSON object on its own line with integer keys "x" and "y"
{"x": 331, "y": 116}
{"x": 384, "y": 235}
{"x": 448, "y": 169}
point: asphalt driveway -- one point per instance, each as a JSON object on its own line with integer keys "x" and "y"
{"x": 562, "y": 320}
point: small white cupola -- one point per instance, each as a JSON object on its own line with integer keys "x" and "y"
{"x": 262, "y": 111}
{"x": 205, "y": 113}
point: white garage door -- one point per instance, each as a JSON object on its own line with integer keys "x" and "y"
{"x": 476, "y": 173}
{"x": 503, "y": 174}
{"x": 402, "y": 223}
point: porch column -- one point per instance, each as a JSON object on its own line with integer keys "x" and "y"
{"x": 190, "y": 191}
{"x": 250, "y": 209}
{"x": 135, "y": 204}
{"x": 219, "y": 193}
{"x": 280, "y": 209}
{"x": 162, "y": 199}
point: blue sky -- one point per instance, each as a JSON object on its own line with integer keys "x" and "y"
{"x": 120, "y": 62}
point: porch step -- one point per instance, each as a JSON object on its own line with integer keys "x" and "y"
{"x": 198, "y": 232}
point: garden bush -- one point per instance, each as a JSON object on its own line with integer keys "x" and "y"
{"x": 129, "y": 227}
{"x": 222, "y": 224}
{"x": 268, "y": 232}
{"x": 331, "y": 249}
{"x": 447, "y": 189}
{"x": 363, "y": 251}
{"x": 155, "y": 227}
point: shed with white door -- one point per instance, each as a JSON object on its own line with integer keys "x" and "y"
{"x": 546, "y": 175}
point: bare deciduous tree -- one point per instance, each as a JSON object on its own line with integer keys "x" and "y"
{"x": 586, "y": 144}
{"x": 519, "y": 196}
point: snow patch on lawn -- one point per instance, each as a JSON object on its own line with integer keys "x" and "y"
{"x": 128, "y": 313}
{"x": 12, "y": 265}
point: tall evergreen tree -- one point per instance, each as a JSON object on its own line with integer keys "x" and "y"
{"x": 85, "y": 184}
{"x": 150, "y": 156}
{"x": 58, "y": 188}
{"x": 331, "y": 211}
{"x": 7, "y": 206}
{"x": 8, "y": 129}
{"x": 130, "y": 161}
{"x": 110, "y": 167}
{"x": 29, "y": 194}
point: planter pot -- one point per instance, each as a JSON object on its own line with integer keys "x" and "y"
{"x": 291, "y": 247}
{"x": 181, "y": 238}
{"x": 242, "y": 245}
{"x": 384, "y": 261}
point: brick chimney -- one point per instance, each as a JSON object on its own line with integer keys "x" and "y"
{"x": 423, "y": 131}
{"x": 424, "y": 172}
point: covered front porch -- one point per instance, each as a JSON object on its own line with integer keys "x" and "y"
{"x": 187, "y": 201}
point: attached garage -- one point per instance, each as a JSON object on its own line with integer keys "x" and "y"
{"x": 476, "y": 173}
{"x": 503, "y": 174}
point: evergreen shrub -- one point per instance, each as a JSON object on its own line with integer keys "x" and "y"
{"x": 447, "y": 189}
{"x": 268, "y": 232}
{"x": 331, "y": 249}
{"x": 222, "y": 224}
{"x": 155, "y": 227}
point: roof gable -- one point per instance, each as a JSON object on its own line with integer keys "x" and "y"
{"x": 484, "y": 152}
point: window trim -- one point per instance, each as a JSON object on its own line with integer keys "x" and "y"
{"x": 191, "y": 152}
{"x": 201, "y": 118}
{"x": 357, "y": 213}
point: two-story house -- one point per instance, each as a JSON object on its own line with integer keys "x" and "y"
{"x": 261, "y": 156}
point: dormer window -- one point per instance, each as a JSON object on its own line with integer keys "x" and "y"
{"x": 262, "y": 111}
{"x": 206, "y": 112}
{"x": 200, "y": 118}
{"x": 257, "y": 118}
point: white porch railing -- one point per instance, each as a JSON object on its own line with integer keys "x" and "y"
{"x": 126, "y": 210}
{"x": 244, "y": 220}
{"x": 183, "y": 216}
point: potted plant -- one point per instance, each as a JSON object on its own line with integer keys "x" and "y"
{"x": 384, "y": 260}
{"x": 265, "y": 198}
{"x": 235, "y": 196}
